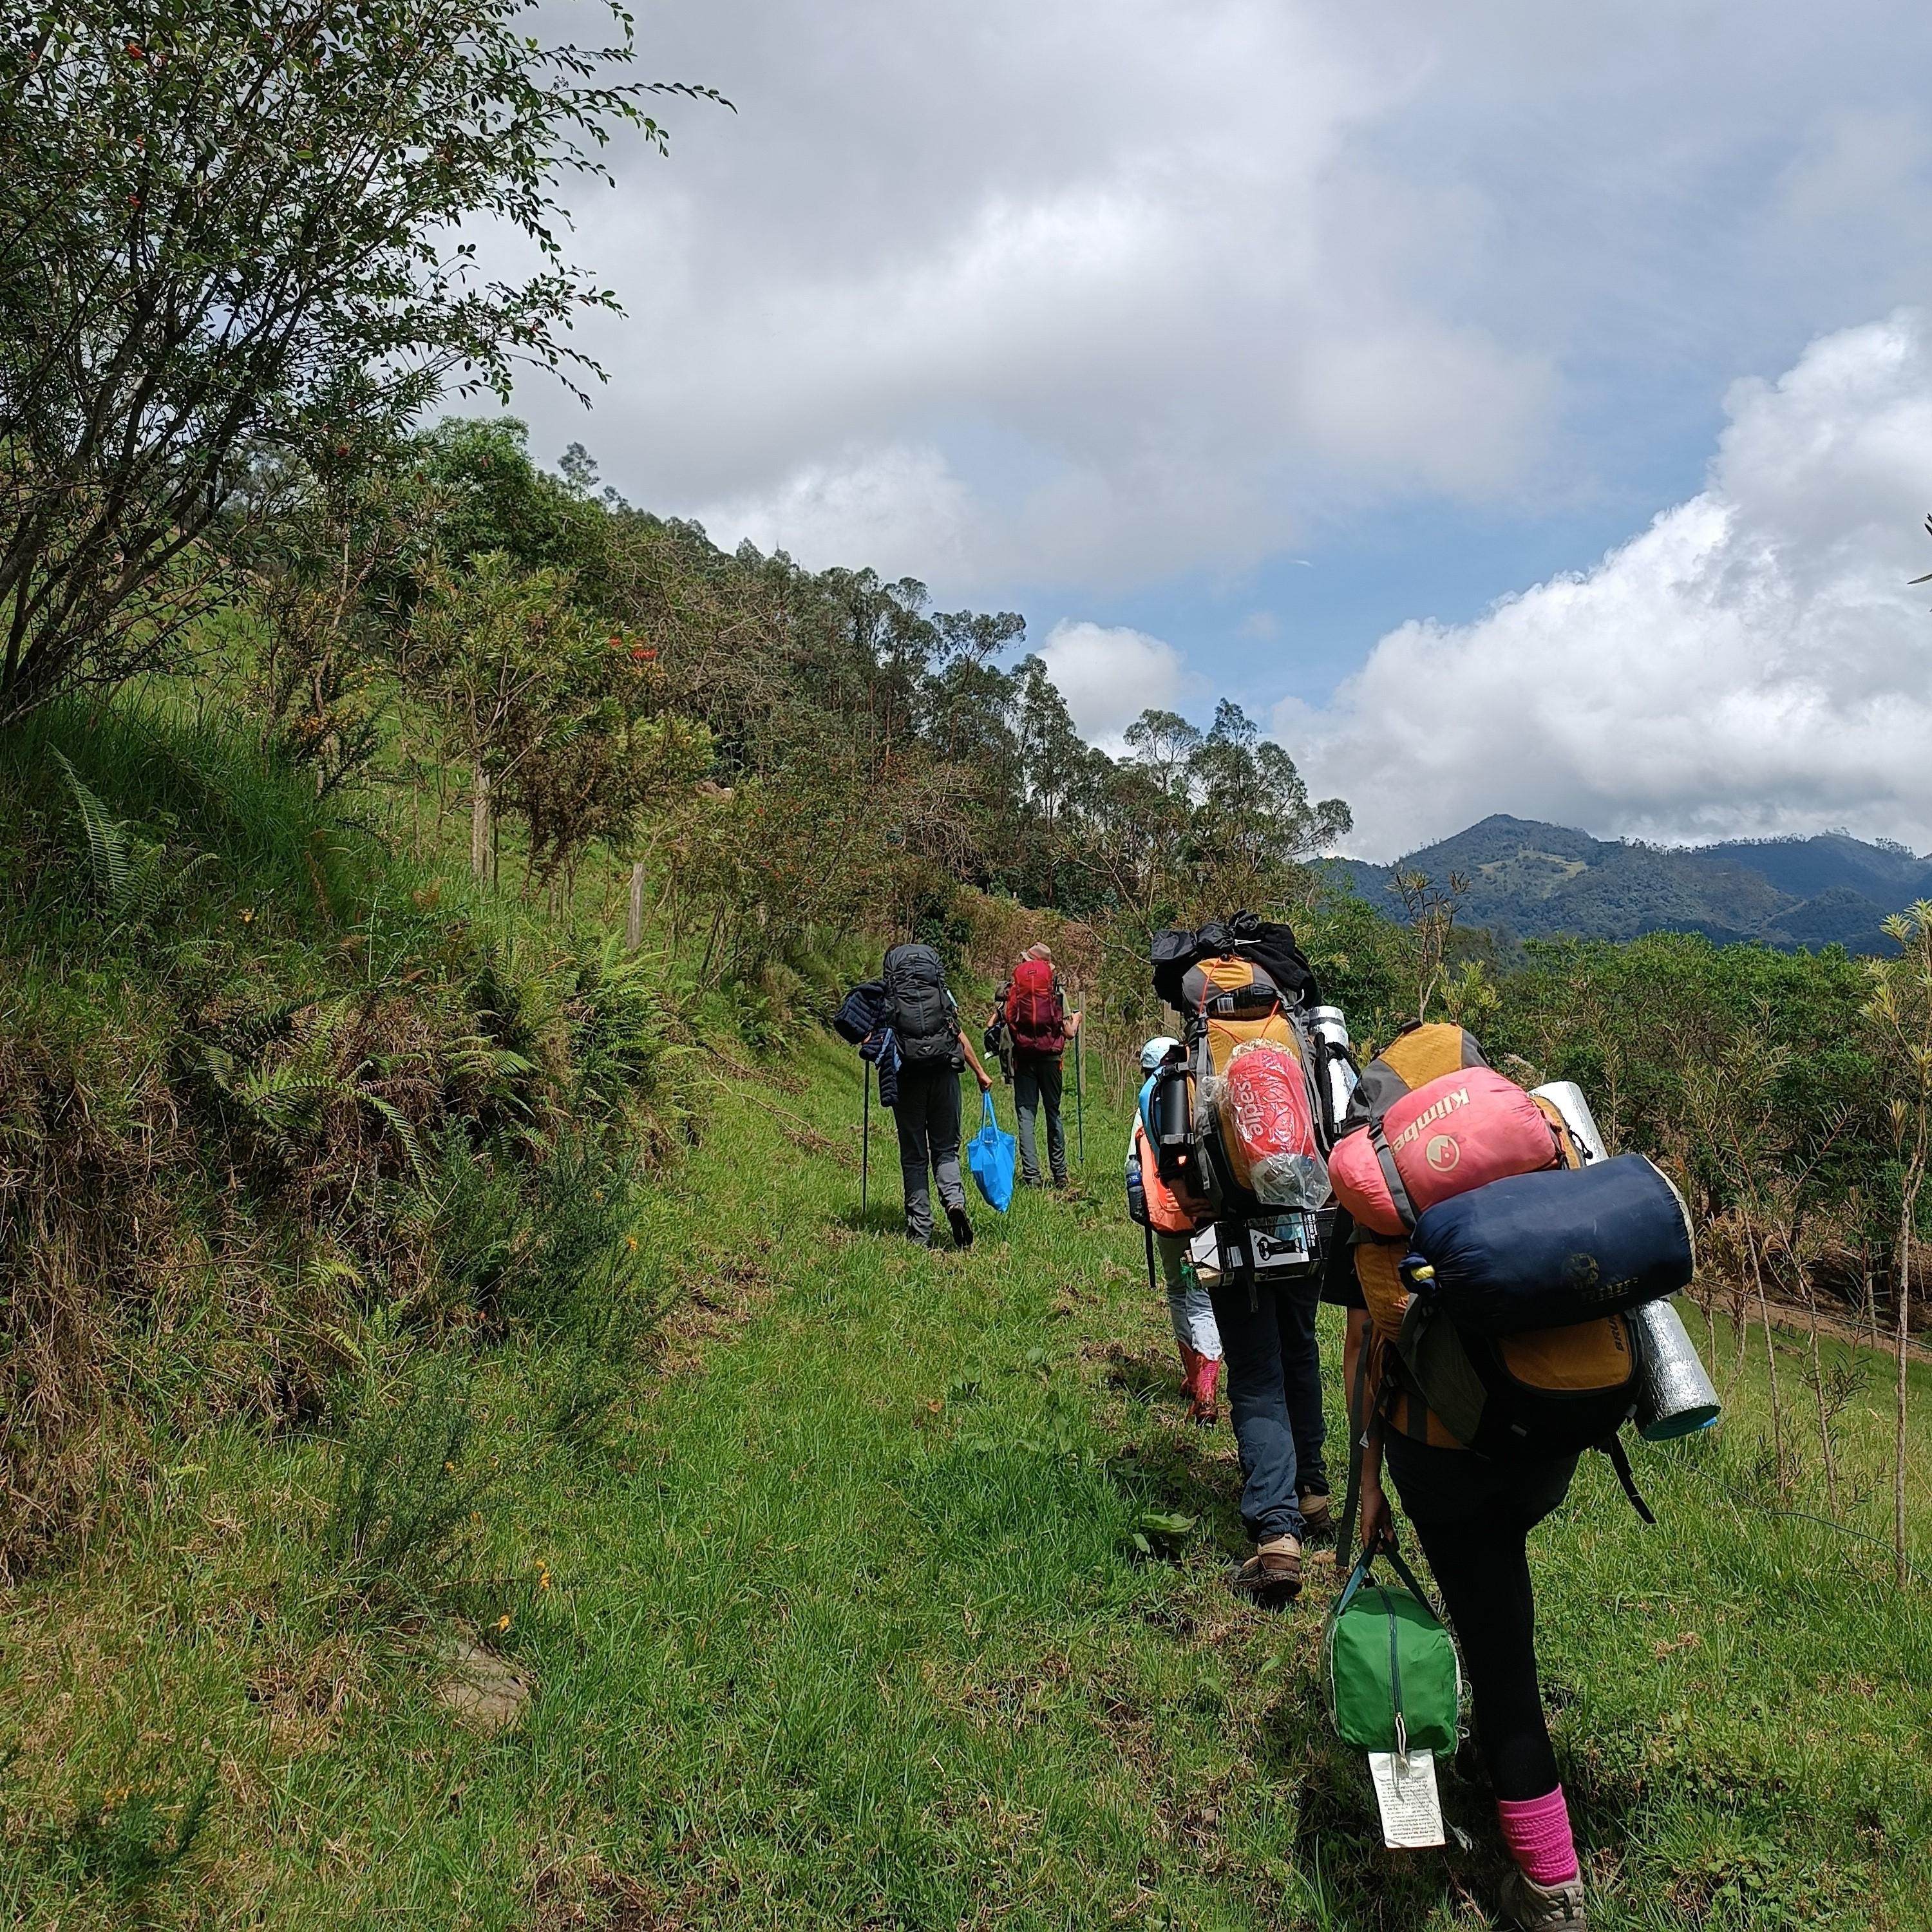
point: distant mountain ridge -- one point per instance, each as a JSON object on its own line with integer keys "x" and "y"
{"x": 1535, "y": 880}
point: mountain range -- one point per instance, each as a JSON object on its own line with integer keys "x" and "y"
{"x": 1528, "y": 879}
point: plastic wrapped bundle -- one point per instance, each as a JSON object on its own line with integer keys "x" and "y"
{"x": 1268, "y": 1125}
{"x": 1290, "y": 1180}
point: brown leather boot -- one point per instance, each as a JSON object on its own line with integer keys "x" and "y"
{"x": 1273, "y": 1575}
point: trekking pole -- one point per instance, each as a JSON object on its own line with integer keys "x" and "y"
{"x": 1153, "y": 1287}
{"x": 1080, "y": 1085}
{"x": 865, "y": 1143}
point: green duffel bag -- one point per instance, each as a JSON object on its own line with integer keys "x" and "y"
{"x": 1395, "y": 1683}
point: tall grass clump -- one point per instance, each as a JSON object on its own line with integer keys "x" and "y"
{"x": 125, "y": 1839}
{"x": 409, "y": 1496}
{"x": 274, "y": 1096}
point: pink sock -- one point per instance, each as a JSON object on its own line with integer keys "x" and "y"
{"x": 1537, "y": 1831}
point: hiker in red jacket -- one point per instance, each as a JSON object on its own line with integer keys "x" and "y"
{"x": 1032, "y": 1002}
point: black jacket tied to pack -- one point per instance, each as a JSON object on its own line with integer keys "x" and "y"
{"x": 864, "y": 1018}
{"x": 1267, "y": 944}
{"x": 919, "y": 1008}
{"x": 863, "y": 1012}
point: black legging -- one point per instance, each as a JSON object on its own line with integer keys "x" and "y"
{"x": 1473, "y": 1516}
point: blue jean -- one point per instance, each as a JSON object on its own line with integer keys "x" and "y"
{"x": 1037, "y": 1084}
{"x": 1274, "y": 1397}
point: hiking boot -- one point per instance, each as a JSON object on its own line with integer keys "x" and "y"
{"x": 962, "y": 1229}
{"x": 1530, "y": 1907}
{"x": 1318, "y": 1517}
{"x": 1273, "y": 1575}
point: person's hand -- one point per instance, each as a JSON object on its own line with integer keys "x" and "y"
{"x": 1377, "y": 1519}
{"x": 985, "y": 1080}
{"x": 1073, "y": 1023}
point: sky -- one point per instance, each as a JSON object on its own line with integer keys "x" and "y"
{"x": 1516, "y": 407}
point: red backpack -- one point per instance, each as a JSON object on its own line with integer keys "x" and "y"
{"x": 1034, "y": 1014}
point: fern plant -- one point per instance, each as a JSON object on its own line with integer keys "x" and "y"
{"x": 284, "y": 1099}
{"x": 129, "y": 869}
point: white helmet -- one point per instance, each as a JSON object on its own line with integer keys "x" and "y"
{"x": 1158, "y": 1051}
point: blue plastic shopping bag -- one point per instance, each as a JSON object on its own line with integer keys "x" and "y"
{"x": 991, "y": 1155}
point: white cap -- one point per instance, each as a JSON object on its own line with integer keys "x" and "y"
{"x": 1157, "y": 1050}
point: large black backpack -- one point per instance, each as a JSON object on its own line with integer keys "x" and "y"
{"x": 922, "y": 1012}
{"x": 1268, "y": 945}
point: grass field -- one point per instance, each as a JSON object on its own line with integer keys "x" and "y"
{"x": 841, "y": 1620}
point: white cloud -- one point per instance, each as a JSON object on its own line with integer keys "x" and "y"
{"x": 898, "y": 509}
{"x": 1143, "y": 245}
{"x": 1751, "y": 664}
{"x": 1109, "y": 675}
{"x": 1098, "y": 292}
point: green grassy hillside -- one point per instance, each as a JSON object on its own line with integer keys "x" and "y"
{"x": 838, "y": 1617}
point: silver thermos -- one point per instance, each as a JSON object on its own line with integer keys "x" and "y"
{"x": 1677, "y": 1397}
{"x": 1566, "y": 1097}
{"x": 1338, "y": 1072}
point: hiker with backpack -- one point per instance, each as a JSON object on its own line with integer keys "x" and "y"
{"x": 931, "y": 1053}
{"x": 1169, "y": 1216}
{"x": 1033, "y": 1007}
{"x": 1234, "y": 1116}
{"x": 1486, "y": 1355}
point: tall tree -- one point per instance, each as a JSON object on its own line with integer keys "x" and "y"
{"x": 236, "y": 226}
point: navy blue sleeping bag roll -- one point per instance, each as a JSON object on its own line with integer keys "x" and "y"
{"x": 1547, "y": 1250}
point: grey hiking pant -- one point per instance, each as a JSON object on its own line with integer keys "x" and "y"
{"x": 1037, "y": 1084}
{"x": 927, "y": 1112}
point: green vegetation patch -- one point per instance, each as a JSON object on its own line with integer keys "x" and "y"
{"x": 843, "y": 1616}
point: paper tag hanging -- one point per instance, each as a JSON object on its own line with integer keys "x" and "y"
{"x": 1405, "y": 1789}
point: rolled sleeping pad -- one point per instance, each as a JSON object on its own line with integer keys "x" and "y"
{"x": 1677, "y": 1397}
{"x": 1566, "y": 1097}
{"x": 1547, "y": 1250}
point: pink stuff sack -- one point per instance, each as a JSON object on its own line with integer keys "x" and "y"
{"x": 1467, "y": 1129}
{"x": 1269, "y": 1125}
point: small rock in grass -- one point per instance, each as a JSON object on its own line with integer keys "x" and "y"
{"x": 484, "y": 1690}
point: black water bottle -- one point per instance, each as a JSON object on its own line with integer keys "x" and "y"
{"x": 1171, "y": 1120}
